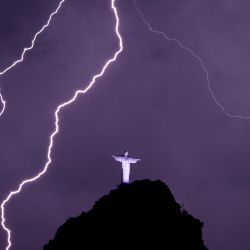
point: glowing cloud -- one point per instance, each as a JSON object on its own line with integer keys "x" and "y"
{"x": 57, "y": 128}
{"x": 201, "y": 62}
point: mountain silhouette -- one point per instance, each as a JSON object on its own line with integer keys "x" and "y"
{"x": 140, "y": 215}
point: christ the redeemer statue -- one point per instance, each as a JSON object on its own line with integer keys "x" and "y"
{"x": 126, "y": 161}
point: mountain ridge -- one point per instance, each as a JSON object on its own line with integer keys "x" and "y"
{"x": 140, "y": 215}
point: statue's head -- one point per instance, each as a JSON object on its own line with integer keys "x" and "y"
{"x": 126, "y": 153}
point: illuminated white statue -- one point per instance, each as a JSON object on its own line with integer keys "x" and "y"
{"x": 126, "y": 161}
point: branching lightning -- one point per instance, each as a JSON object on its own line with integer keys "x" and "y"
{"x": 25, "y": 50}
{"x": 57, "y": 128}
{"x": 200, "y": 60}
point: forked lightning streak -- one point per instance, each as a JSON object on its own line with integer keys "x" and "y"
{"x": 25, "y": 50}
{"x": 57, "y": 128}
{"x": 3, "y": 104}
{"x": 201, "y": 62}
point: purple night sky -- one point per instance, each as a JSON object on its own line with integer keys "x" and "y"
{"x": 153, "y": 101}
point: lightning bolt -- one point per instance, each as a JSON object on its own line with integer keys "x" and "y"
{"x": 3, "y": 104}
{"x": 56, "y": 123}
{"x": 196, "y": 56}
{"x": 26, "y": 49}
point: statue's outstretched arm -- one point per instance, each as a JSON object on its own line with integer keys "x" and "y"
{"x": 117, "y": 158}
{"x": 134, "y": 160}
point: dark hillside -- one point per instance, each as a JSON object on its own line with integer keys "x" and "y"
{"x": 143, "y": 214}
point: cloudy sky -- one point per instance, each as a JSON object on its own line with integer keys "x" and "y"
{"x": 154, "y": 101}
